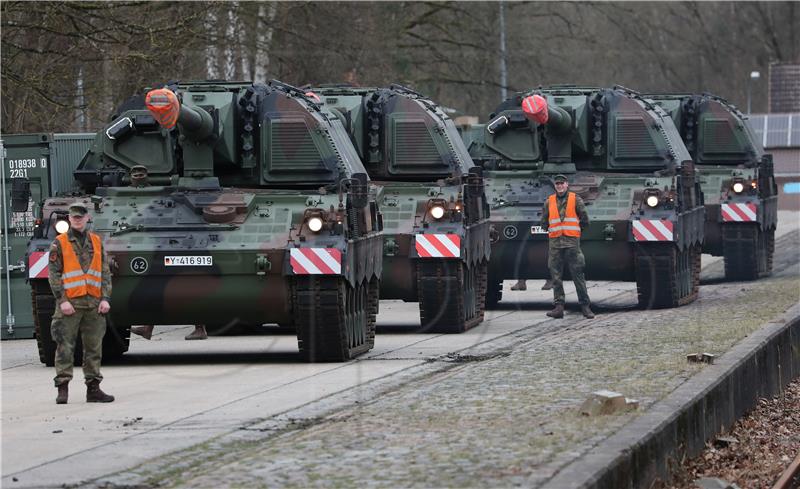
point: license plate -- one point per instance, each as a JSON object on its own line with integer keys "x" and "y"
{"x": 538, "y": 230}
{"x": 188, "y": 261}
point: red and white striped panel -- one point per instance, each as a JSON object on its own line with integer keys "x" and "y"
{"x": 316, "y": 261}
{"x": 652, "y": 230}
{"x": 37, "y": 264}
{"x": 438, "y": 245}
{"x": 739, "y": 212}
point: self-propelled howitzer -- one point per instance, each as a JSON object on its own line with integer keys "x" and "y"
{"x": 431, "y": 194}
{"x": 224, "y": 203}
{"x": 738, "y": 181}
{"x": 624, "y": 157}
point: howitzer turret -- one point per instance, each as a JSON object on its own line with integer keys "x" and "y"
{"x": 436, "y": 243}
{"x": 737, "y": 178}
{"x": 242, "y": 134}
{"x": 230, "y": 204}
{"x": 624, "y": 157}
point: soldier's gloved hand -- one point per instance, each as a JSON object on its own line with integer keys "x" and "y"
{"x": 104, "y": 307}
{"x": 67, "y": 309}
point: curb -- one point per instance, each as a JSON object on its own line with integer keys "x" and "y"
{"x": 759, "y": 366}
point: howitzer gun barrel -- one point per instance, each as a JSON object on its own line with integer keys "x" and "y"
{"x": 536, "y": 108}
{"x": 163, "y": 104}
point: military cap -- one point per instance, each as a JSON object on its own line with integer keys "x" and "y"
{"x": 559, "y": 178}
{"x": 78, "y": 208}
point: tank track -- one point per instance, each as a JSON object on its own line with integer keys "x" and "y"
{"x": 44, "y": 305}
{"x": 482, "y": 284}
{"x": 747, "y": 250}
{"x": 115, "y": 342}
{"x": 373, "y": 301}
{"x": 494, "y": 293}
{"x": 451, "y": 295}
{"x": 332, "y": 318}
{"x": 770, "y": 237}
{"x": 665, "y": 276}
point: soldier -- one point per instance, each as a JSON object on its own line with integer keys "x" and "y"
{"x": 81, "y": 282}
{"x": 563, "y": 216}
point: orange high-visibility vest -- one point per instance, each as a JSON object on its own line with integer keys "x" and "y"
{"x": 78, "y": 283}
{"x": 571, "y": 225}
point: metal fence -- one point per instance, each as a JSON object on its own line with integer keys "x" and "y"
{"x": 777, "y": 130}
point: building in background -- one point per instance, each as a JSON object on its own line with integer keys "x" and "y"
{"x": 780, "y": 136}
{"x": 784, "y": 88}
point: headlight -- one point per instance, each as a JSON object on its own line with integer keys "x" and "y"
{"x": 738, "y": 187}
{"x": 62, "y": 227}
{"x": 437, "y": 212}
{"x": 314, "y": 224}
{"x": 651, "y": 200}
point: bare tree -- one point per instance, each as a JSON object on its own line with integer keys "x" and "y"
{"x": 66, "y": 64}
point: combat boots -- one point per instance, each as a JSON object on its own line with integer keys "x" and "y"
{"x": 587, "y": 311}
{"x": 144, "y": 331}
{"x": 548, "y": 285}
{"x": 520, "y": 285}
{"x": 94, "y": 394}
{"x": 199, "y": 333}
{"x": 63, "y": 393}
{"x": 557, "y": 312}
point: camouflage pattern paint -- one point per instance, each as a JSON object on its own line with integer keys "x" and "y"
{"x": 416, "y": 161}
{"x": 615, "y": 147}
{"x": 725, "y": 150}
{"x": 187, "y": 248}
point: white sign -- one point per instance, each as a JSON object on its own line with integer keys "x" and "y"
{"x": 188, "y": 261}
{"x": 538, "y": 230}
{"x": 23, "y": 222}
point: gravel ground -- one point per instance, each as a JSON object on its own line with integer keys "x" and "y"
{"x": 506, "y": 419}
{"x": 755, "y": 451}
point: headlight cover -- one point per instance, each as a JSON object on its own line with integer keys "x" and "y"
{"x": 314, "y": 224}
{"x": 738, "y": 187}
{"x": 437, "y": 211}
{"x": 651, "y": 200}
{"x": 62, "y": 227}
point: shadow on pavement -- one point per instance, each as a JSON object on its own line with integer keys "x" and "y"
{"x": 209, "y": 358}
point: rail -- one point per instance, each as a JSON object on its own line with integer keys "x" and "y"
{"x": 790, "y": 475}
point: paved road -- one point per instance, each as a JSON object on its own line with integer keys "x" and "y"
{"x": 173, "y": 394}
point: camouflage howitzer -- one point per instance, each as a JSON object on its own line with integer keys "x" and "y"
{"x": 436, "y": 231}
{"x": 624, "y": 157}
{"x": 227, "y": 203}
{"x": 737, "y": 178}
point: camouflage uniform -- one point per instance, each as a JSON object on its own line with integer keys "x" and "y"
{"x": 90, "y": 323}
{"x": 566, "y": 249}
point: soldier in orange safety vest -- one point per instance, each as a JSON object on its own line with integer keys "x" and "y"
{"x": 80, "y": 279}
{"x": 563, "y": 216}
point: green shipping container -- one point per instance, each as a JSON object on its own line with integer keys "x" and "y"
{"x": 46, "y": 161}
